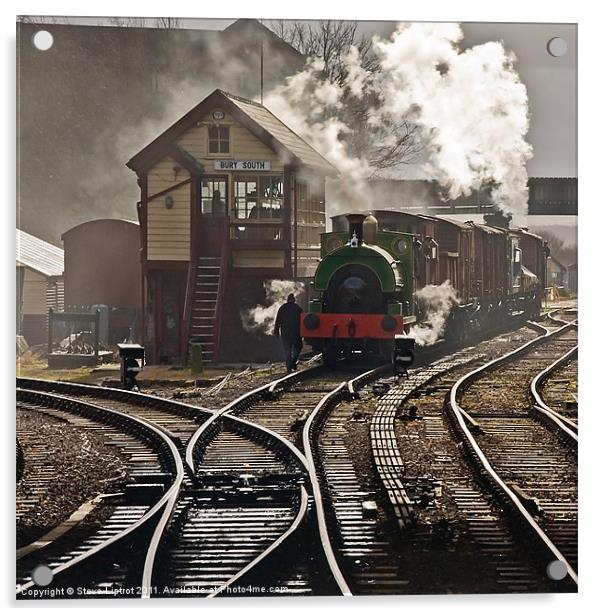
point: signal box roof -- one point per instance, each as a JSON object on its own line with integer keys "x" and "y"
{"x": 259, "y": 120}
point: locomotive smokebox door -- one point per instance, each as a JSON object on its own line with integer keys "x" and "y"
{"x": 403, "y": 355}
{"x": 130, "y": 366}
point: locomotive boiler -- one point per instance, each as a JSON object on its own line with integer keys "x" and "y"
{"x": 365, "y": 291}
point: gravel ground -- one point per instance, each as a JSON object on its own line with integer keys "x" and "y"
{"x": 497, "y": 394}
{"x": 417, "y": 448}
{"x": 64, "y": 467}
{"x": 239, "y": 383}
{"x": 560, "y": 390}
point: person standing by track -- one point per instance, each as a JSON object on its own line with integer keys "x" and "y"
{"x": 288, "y": 329}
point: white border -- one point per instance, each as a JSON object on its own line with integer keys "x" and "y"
{"x": 587, "y": 15}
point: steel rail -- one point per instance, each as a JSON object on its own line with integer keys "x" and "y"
{"x": 271, "y": 389}
{"x": 160, "y": 435}
{"x": 171, "y": 406}
{"x": 483, "y": 461}
{"x": 247, "y": 399}
{"x": 538, "y": 408}
{"x": 295, "y": 525}
{"x": 566, "y": 424}
{"x": 112, "y": 393}
{"x": 344, "y": 389}
{"x": 226, "y": 412}
{"x": 558, "y": 320}
{"x": 538, "y": 327}
{"x": 188, "y": 410}
{"x": 317, "y": 492}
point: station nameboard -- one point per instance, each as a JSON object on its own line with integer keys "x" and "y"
{"x": 242, "y": 165}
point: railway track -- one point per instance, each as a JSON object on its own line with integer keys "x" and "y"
{"x": 448, "y": 520}
{"x": 557, "y": 383}
{"x": 374, "y": 557}
{"x": 268, "y": 475}
{"x": 527, "y": 457}
{"x": 20, "y": 460}
{"x": 52, "y": 479}
{"x": 555, "y": 389}
{"x": 228, "y": 472}
{"x": 270, "y": 498}
{"x": 154, "y": 472}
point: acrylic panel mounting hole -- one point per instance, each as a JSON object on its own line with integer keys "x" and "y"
{"x": 557, "y": 47}
{"x": 43, "y": 40}
{"x": 42, "y": 575}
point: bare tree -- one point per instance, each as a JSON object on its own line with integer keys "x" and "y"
{"x": 395, "y": 142}
{"x": 169, "y": 23}
{"x": 330, "y": 41}
{"x": 128, "y": 22}
{"x": 44, "y": 19}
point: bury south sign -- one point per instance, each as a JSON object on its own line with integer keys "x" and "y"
{"x": 242, "y": 165}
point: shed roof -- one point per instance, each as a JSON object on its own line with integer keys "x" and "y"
{"x": 449, "y": 221}
{"x": 528, "y": 233}
{"x": 38, "y": 255}
{"x": 275, "y": 127}
{"x": 259, "y": 120}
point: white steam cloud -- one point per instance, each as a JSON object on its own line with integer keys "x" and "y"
{"x": 436, "y": 303}
{"x": 303, "y": 102}
{"x": 262, "y": 318}
{"x": 470, "y": 107}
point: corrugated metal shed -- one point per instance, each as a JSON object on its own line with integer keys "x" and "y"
{"x": 282, "y": 133}
{"x": 39, "y": 255}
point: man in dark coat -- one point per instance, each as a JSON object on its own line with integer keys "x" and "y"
{"x": 218, "y": 205}
{"x": 288, "y": 328}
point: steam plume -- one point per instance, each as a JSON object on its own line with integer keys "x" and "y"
{"x": 435, "y": 303}
{"x": 261, "y": 319}
{"x": 303, "y": 102}
{"x": 470, "y": 107}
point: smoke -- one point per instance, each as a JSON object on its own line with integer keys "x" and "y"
{"x": 435, "y": 303}
{"x": 470, "y": 107}
{"x": 262, "y": 318}
{"x": 84, "y": 112}
{"x": 304, "y": 102}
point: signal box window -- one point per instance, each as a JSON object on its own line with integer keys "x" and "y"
{"x": 219, "y": 140}
{"x": 258, "y": 197}
{"x": 258, "y": 201}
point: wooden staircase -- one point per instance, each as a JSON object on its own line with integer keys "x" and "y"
{"x": 204, "y": 308}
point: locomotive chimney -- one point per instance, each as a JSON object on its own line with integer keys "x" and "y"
{"x": 370, "y": 229}
{"x": 356, "y": 227}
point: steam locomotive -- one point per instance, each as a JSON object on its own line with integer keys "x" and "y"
{"x": 370, "y": 281}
